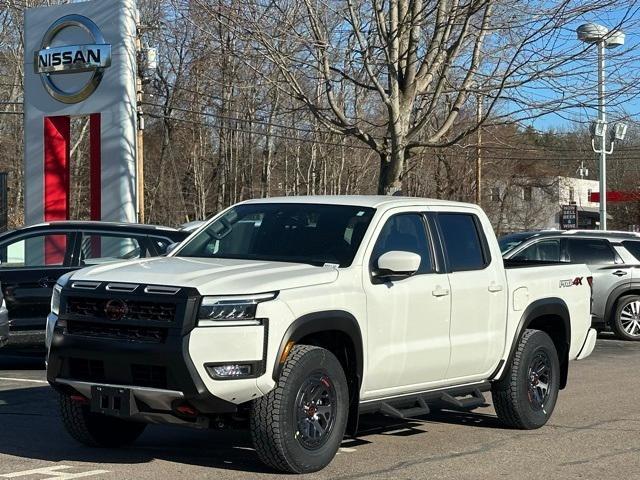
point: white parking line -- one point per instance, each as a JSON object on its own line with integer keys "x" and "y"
{"x": 54, "y": 472}
{"x": 11, "y": 379}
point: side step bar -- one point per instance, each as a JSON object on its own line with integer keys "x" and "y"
{"x": 410, "y": 406}
{"x": 404, "y": 413}
{"x": 475, "y": 400}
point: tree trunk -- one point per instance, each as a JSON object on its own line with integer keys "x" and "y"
{"x": 391, "y": 172}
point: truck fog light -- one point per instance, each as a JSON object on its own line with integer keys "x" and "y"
{"x": 230, "y": 371}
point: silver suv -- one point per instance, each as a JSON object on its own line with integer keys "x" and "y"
{"x": 613, "y": 257}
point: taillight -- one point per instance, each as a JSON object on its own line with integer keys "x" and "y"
{"x": 590, "y": 282}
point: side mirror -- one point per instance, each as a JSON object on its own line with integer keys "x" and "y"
{"x": 397, "y": 264}
{"x": 171, "y": 247}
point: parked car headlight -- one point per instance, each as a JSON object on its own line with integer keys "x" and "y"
{"x": 231, "y": 310}
{"x": 55, "y": 299}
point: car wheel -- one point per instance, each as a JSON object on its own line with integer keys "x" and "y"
{"x": 526, "y": 395}
{"x": 299, "y": 425}
{"x": 626, "y": 322}
{"x": 95, "y": 429}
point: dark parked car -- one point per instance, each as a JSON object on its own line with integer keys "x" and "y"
{"x": 34, "y": 257}
{"x": 4, "y": 323}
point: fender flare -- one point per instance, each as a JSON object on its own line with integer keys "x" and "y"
{"x": 540, "y": 308}
{"x": 323, "y": 321}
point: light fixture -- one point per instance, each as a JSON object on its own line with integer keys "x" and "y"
{"x": 619, "y": 131}
{"x": 230, "y": 371}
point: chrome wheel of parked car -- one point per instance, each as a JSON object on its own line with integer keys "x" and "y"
{"x": 626, "y": 321}
{"x": 630, "y": 318}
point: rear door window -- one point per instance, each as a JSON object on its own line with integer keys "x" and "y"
{"x": 591, "y": 251}
{"x": 633, "y": 247}
{"x": 463, "y": 242}
{"x": 543, "y": 251}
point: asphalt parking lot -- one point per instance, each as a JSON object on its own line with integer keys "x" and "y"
{"x": 594, "y": 433}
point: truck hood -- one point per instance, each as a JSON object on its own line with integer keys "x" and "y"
{"x": 212, "y": 276}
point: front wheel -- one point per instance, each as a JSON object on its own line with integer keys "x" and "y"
{"x": 299, "y": 425}
{"x": 96, "y": 429}
{"x": 526, "y": 396}
{"x": 626, "y": 322}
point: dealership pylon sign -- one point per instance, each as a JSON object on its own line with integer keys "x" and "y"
{"x": 80, "y": 60}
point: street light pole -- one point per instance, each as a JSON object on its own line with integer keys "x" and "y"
{"x": 593, "y": 33}
{"x": 602, "y": 118}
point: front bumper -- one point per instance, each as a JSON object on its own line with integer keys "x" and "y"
{"x": 149, "y": 358}
{"x": 160, "y": 371}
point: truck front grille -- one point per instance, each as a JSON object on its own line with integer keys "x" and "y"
{"x": 136, "y": 309}
{"x": 116, "y": 331}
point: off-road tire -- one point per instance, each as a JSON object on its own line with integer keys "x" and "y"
{"x": 616, "y": 324}
{"x": 511, "y": 393}
{"x": 274, "y": 429}
{"x": 95, "y": 429}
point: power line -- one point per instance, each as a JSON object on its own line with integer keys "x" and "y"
{"x": 254, "y": 132}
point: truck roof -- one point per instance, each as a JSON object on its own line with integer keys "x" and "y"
{"x": 373, "y": 201}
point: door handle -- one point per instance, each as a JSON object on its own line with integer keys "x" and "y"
{"x": 619, "y": 273}
{"x": 440, "y": 292}
{"x": 494, "y": 288}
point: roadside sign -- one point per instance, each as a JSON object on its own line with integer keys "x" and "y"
{"x": 569, "y": 217}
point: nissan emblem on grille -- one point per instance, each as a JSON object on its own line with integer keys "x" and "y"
{"x": 116, "y": 309}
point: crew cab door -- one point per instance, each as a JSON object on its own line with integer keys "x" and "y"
{"x": 478, "y": 293}
{"x": 408, "y": 319}
{"x": 30, "y": 265}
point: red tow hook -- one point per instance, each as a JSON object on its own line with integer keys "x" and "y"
{"x": 79, "y": 399}
{"x": 187, "y": 410}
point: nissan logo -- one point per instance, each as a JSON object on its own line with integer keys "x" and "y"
{"x": 93, "y": 57}
{"x": 116, "y": 309}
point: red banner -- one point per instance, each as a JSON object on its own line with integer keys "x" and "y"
{"x": 616, "y": 196}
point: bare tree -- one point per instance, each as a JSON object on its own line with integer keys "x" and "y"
{"x": 396, "y": 74}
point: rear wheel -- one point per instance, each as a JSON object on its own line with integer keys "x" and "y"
{"x": 298, "y": 426}
{"x": 95, "y": 429}
{"x": 526, "y": 396}
{"x": 626, "y": 322}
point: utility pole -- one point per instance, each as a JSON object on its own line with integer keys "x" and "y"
{"x": 479, "y": 150}
{"x": 140, "y": 133}
{"x": 602, "y": 119}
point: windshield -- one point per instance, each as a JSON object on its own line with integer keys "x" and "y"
{"x": 284, "y": 232}
{"x": 509, "y": 242}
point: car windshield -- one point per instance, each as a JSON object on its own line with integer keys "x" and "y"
{"x": 284, "y": 232}
{"x": 509, "y": 242}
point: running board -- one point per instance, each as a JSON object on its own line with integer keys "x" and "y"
{"x": 475, "y": 400}
{"x": 405, "y": 413}
{"x": 417, "y": 404}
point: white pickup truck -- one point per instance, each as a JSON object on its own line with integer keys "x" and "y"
{"x": 293, "y": 316}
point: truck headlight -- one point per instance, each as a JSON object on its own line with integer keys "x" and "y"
{"x": 55, "y": 299}
{"x": 231, "y": 310}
